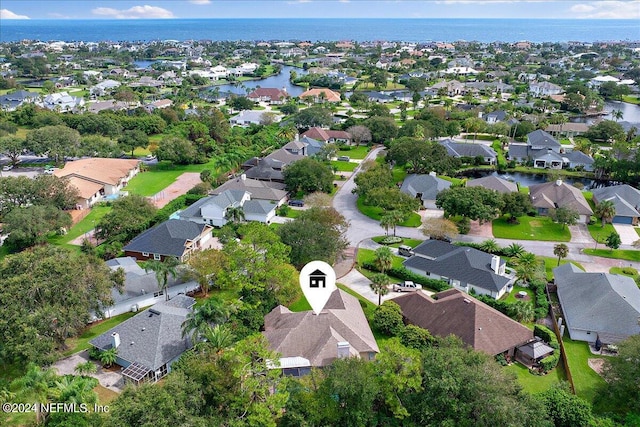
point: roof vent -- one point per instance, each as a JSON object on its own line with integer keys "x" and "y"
{"x": 133, "y": 342}
{"x": 144, "y": 329}
{"x": 466, "y": 301}
{"x": 152, "y": 311}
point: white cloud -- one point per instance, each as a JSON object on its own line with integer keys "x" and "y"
{"x": 607, "y": 9}
{"x": 200, "y": 1}
{"x": 7, "y": 14}
{"x": 135, "y": 12}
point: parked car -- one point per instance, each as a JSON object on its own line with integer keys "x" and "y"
{"x": 7, "y": 167}
{"x": 150, "y": 157}
{"x": 406, "y": 286}
{"x": 405, "y": 250}
{"x": 344, "y": 158}
{"x": 297, "y": 203}
{"x": 50, "y": 171}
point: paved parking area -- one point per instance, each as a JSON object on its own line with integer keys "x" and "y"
{"x": 111, "y": 379}
{"x": 627, "y": 233}
{"x": 182, "y": 184}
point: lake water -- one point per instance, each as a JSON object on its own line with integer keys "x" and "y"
{"x": 526, "y": 180}
{"x": 278, "y": 81}
{"x": 631, "y": 112}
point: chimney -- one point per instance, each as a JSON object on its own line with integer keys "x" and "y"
{"x": 432, "y": 173}
{"x": 343, "y": 349}
{"x": 115, "y": 340}
{"x": 559, "y": 182}
{"x": 297, "y": 136}
{"x": 243, "y": 177}
{"x": 495, "y": 264}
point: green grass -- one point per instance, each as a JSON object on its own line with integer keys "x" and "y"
{"x": 152, "y": 182}
{"x": 367, "y": 306}
{"x": 511, "y": 296}
{"x": 625, "y": 272}
{"x": 343, "y": 166}
{"x": 399, "y": 174}
{"x": 375, "y": 212}
{"x": 359, "y": 152}
{"x": 531, "y": 228}
{"x": 300, "y": 305}
{"x": 631, "y": 99}
{"x": 141, "y": 152}
{"x": 629, "y": 255}
{"x": 405, "y": 241}
{"x": 82, "y": 342}
{"x": 85, "y": 225}
{"x": 551, "y": 262}
{"x": 637, "y": 230}
{"x": 586, "y": 380}
{"x": 537, "y": 383}
{"x": 368, "y": 255}
{"x": 598, "y": 233}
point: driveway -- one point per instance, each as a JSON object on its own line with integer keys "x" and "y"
{"x": 180, "y": 186}
{"x": 580, "y": 235}
{"x": 112, "y": 380}
{"x": 627, "y": 233}
{"x": 358, "y": 282}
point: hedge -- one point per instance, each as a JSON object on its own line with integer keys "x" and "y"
{"x": 178, "y": 203}
{"x": 405, "y": 274}
{"x": 550, "y": 362}
{"x": 547, "y": 335}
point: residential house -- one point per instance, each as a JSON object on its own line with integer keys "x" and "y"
{"x": 11, "y": 101}
{"x": 159, "y": 104}
{"x": 104, "y": 87}
{"x": 464, "y": 268}
{"x": 453, "y": 312}
{"x": 452, "y": 88}
{"x": 173, "y": 238}
{"x": 494, "y": 183}
{"x": 568, "y": 130}
{"x": 553, "y": 195}
{"x": 141, "y": 288}
{"x": 542, "y": 89}
{"x": 626, "y": 200}
{"x": 424, "y": 188}
{"x": 259, "y": 190}
{"x": 97, "y": 178}
{"x": 598, "y": 306}
{"x": 541, "y": 148}
{"x": 327, "y": 136}
{"x": 248, "y": 117}
{"x": 469, "y": 150}
{"x": 319, "y": 95}
{"x": 305, "y": 340}
{"x": 495, "y": 117}
{"x": 149, "y": 342}
{"x": 272, "y": 96}
{"x": 214, "y": 210}
{"x": 62, "y": 102}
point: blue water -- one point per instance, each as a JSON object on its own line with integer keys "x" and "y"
{"x": 415, "y": 30}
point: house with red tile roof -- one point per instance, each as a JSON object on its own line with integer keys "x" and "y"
{"x": 317, "y": 95}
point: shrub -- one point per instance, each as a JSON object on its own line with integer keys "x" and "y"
{"x": 550, "y": 362}
{"x": 464, "y": 225}
{"x": 547, "y": 335}
{"x": 501, "y": 359}
{"x": 629, "y": 271}
{"x": 390, "y": 240}
{"x": 283, "y": 210}
{"x": 387, "y": 318}
{"x": 413, "y": 336}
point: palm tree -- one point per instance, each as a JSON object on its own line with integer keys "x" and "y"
{"x": 163, "y": 269}
{"x": 380, "y": 285}
{"x": 78, "y": 390}
{"x": 287, "y": 133}
{"x": 514, "y": 250}
{"x": 561, "y": 251}
{"x": 35, "y": 384}
{"x": 217, "y": 338}
{"x": 617, "y": 115}
{"x": 86, "y": 369}
{"x": 234, "y": 214}
{"x": 108, "y": 357}
{"x": 527, "y": 266}
{"x": 521, "y": 311}
{"x": 382, "y": 259}
{"x": 490, "y": 246}
{"x": 605, "y": 210}
{"x": 385, "y": 222}
{"x": 392, "y": 219}
{"x": 213, "y": 312}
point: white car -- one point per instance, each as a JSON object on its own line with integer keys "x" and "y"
{"x": 407, "y": 286}
{"x": 7, "y": 167}
{"x": 50, "y": 171}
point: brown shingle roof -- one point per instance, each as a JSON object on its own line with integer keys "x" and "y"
{"x": 559, "y": 194}
{"x": 456, "y": 313}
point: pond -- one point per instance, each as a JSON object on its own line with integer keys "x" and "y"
{"x": 526, "y": 180}
{"x": 278, "y": 81}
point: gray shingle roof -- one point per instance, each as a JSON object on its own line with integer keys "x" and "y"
{"x": 263, "y": 190}
{"x": 136, "y": 280}
{"x": 167, "y": 239}
{"x": 625, "y": 198}
{"x": 461, "y": 149}
{"x": 494, "y": 183}
{"x": 550, "y": 194}
{"x": 428, "y": 185}
{"x": 152, "y": 337}
{"x": 468, "y": 265}
{"x": 540, "y": 139}
{"x": 579, "y": 157}
{"x": 260, "y": 207}
{"x": 598, "y": 302}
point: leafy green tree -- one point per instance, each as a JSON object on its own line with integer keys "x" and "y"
{"x": 235, "y": 214}
{"x": 216, "y": 338}
{"x": 413, "y": 336}
{"x": 613, "y": 241}
{"x": 515, "y": 205}
{"x": 214, "y": 311}
{"x": 78, "y": 390}
{"x": 205, "y": 266}
{"x": 359, "y": 134}
{"x": 393, "y": 219}
{"x": 312, "y": 117}
{"x": 128, "y": 217}
{"x": 308, "y": 175}
{"x": 565, "y": 216}
{"x": 240, "y": 103}
{"x": 86, "y": 369}
{"x": 36, "y": 384}
{"x": 622, "y": 374}
{"x": 521, "y": 311}
{"x": 12, "y": 147}
{"x": 527, "y": 267}
{"x": 565, "y": 408}
{"x": 475, "y": 203}
{"x": 31, "y": 225}
{"x": 387, "y": 318}
{"x": 561, "y": 251}
{"x": 132, "y": 139}
{"x": 373, "y": 176}
{"x": 178, "y": 150}
{"x": 380, "y": 285}
{"x": 391, "y": 199}
{"x": 606, "y": 130}
{"x": 54, "y": 141}
{"x": 383, "y": 129}
{"x": 317, "y": 234}
{"x": 605, "y": 210}
{"x": 54, "y": 291}
{"x": 163, "y": 269}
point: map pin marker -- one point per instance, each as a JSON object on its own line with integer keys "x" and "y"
{"x": 318, "y": 281}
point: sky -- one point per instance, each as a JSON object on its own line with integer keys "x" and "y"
{"x": 171, "y": 9}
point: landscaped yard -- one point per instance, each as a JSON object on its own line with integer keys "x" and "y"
{"x": 82, "y": 342}
{"x": 152, "y": 182}
{"x": 629, "y": 255}
{"x": 531, "y": 228}
{"x": 375, "y": 212}
{"x": 537, "y": 383}
{"x": 627, "y": 271}
{"x": 511, "y": 296}
{"x": 359, "y": 152}
{"x": 405, "y": 241}
{"x": 550, "y": 263}
{"x": 598, "y": 233}
{"x": 343, "y": 166}
{"x": 87, "y": 224}
{"x": 368, "y": 255}
{"x": 585, "y": 379}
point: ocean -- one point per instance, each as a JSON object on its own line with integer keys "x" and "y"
{"x": 411, "y": 30}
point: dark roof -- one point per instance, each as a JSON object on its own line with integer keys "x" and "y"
{"x": 540, "y": 139}
{"x": 625, "y": 198}
{"x": 168, "y": 238}
{"x": 559, "y": 194}
{"x": 428, "y": 185}
{"x": 462, "y": 149}
{"x": 579, "y": 157}
{"x": 152, "y": 337}
{"x": 536, "y": 349}
{"x": 494, "y": 183}
{"x": 456, "y": 313}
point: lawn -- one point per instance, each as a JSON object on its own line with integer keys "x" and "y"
{"x": 537, "y": 383}
{"x": 141, "y": 152}
{"x": 300, "y": 305}
{"x": 87, "y": 224}
{"x": 629, "y": 255}
{"x": 510, "y": 298}
{"x": 375, "y": 212}
{"x": 368, "y": 255}
{"x": 637, "y": 230}
{"x": 359, "y": 152}
{"x": 399, "y": 174}
{"x": 405, "y": 241}
{"x": 585, "y": 379}
{"x": 82, "y": 342}
{"x": 152, "y": 182}
{"x": 531, "y": 228}
{"x": 340, "y": 166}
{"x": 598, "y": 233}
{"x": 627, "y": 271}
{"x": 551, "y": 262}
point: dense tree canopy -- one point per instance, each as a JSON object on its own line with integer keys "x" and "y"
{"x": 22, "y": 191}
{"x": 129, "y": 216}
{"x": 420, "y": 156}
{"x": 31, "y": 225}
{"x": 475, "y": 203}
{"x": 308, "y": 175}
{"x": 54, "y": 141}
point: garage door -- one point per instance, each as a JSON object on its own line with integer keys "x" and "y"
{"x": 622, "y": 220}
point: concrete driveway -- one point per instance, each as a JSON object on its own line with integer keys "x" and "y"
{"x": 112, "y": 380}
{"x": 359, "y": 283}
{"x": 627, "y": 233}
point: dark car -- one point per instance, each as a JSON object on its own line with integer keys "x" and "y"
{"x": 297, "y": 203}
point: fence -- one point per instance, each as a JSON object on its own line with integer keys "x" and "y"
{"x": 563, "y": 353}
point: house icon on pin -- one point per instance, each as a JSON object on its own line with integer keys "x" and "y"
{"x": 317, "y": 279}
